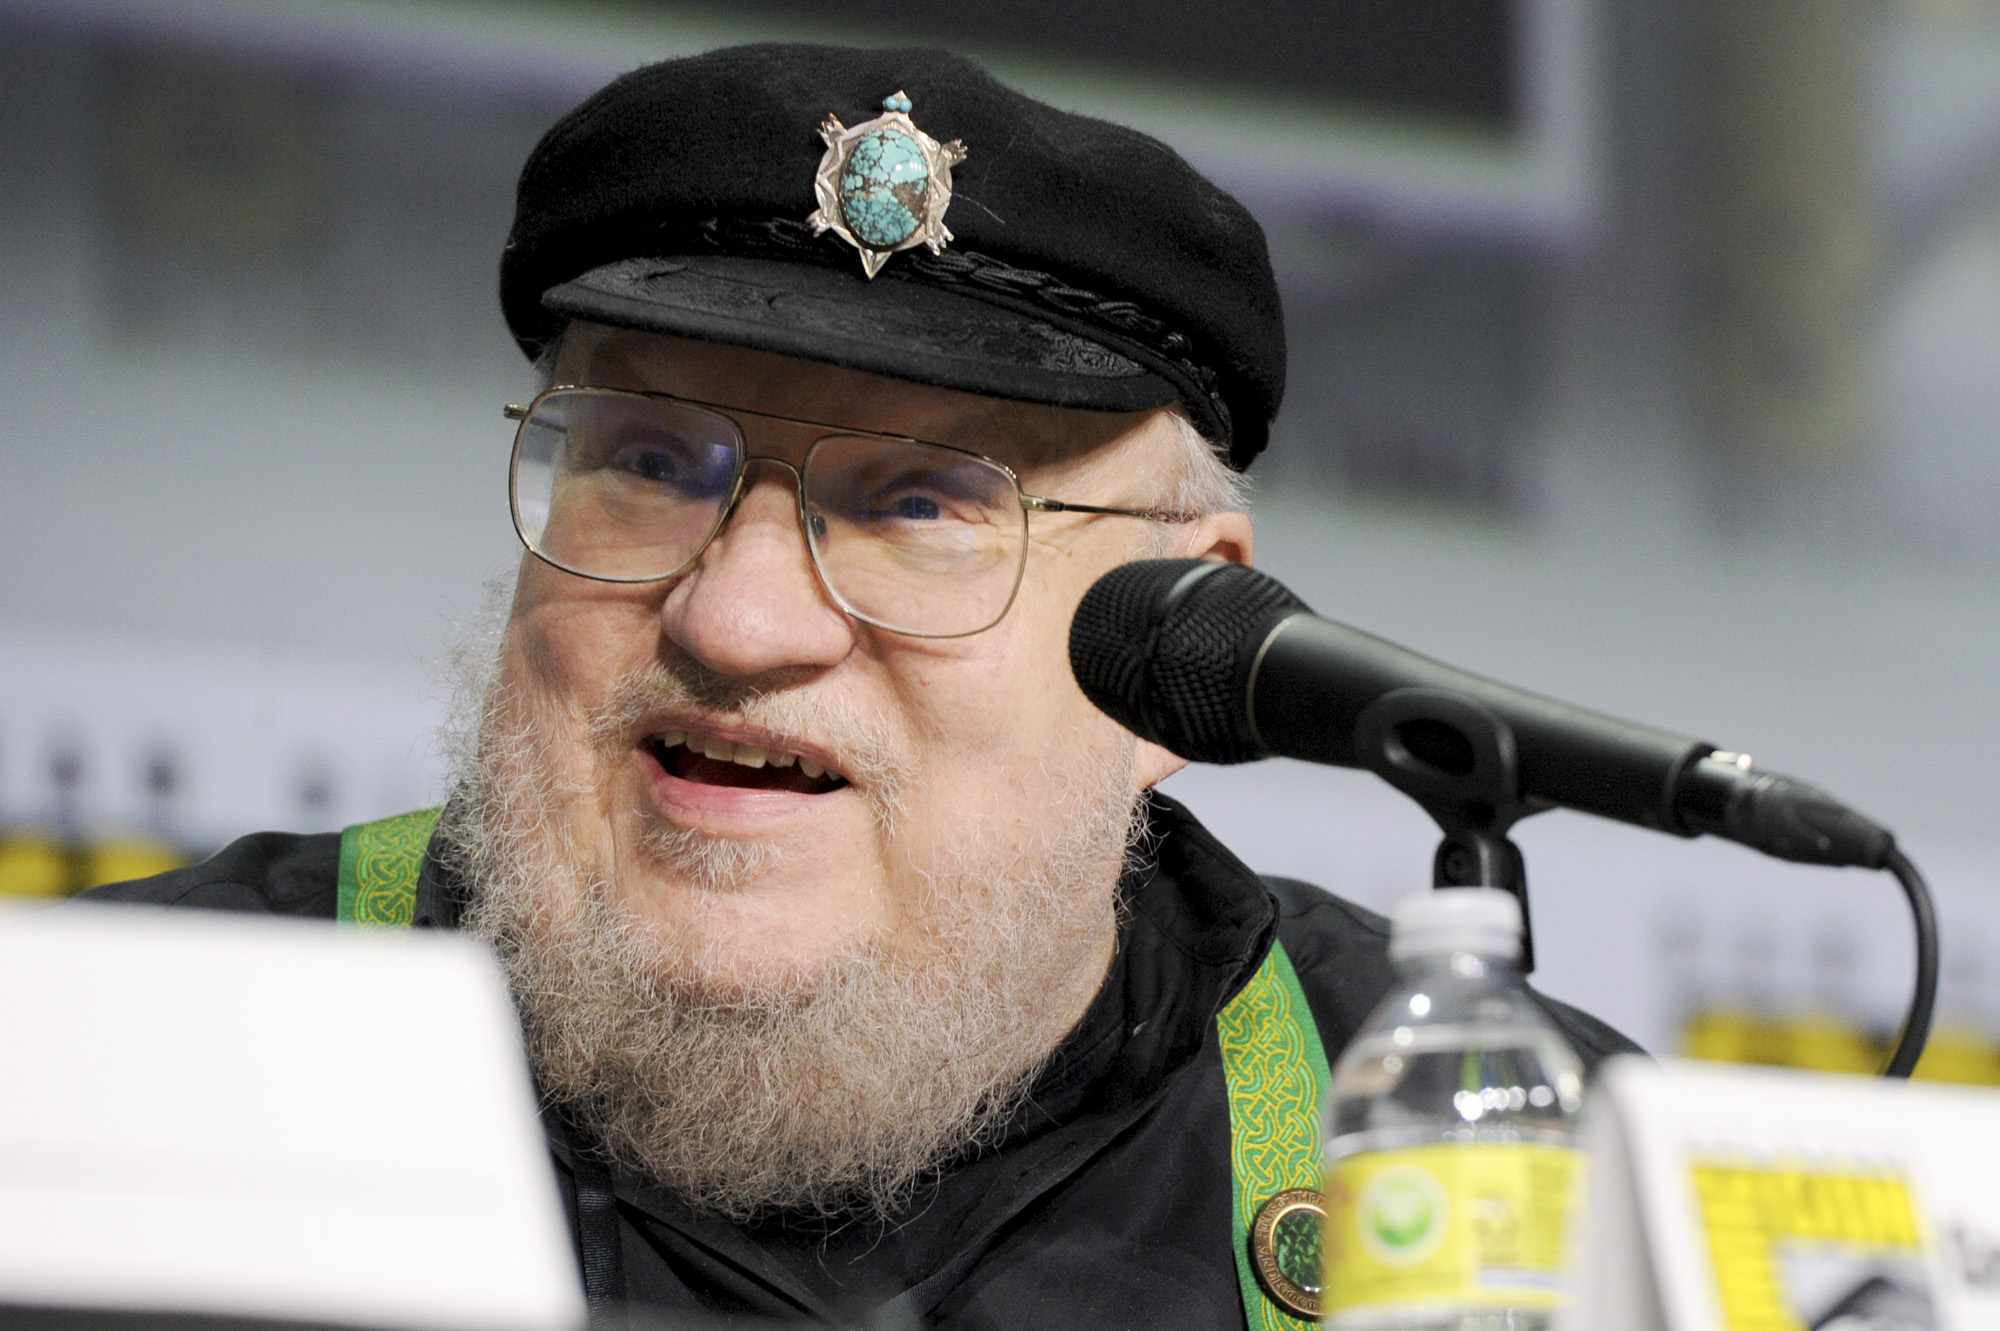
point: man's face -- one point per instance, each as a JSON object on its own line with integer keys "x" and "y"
{"x": 980, "y": 745}
{"x": 769, "y": 988}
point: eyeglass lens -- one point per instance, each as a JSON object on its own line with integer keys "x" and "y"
{"x": 914, "y": 537}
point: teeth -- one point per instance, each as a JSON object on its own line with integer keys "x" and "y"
{"x": 749, "y": 755}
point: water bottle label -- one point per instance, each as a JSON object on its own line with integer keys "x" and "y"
{"x": 1459, "y": 1225}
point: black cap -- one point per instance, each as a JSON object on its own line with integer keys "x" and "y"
{"x": 1089, "y": 266}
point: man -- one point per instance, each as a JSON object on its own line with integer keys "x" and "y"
{"x": 864, "y": 975}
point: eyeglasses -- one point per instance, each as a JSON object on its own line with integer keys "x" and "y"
{"x": 918, "y": 538}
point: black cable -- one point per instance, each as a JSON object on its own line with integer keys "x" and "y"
{"x": 1917, "y": 1025}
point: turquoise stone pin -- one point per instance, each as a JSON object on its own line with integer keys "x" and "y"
{"x": 884, "y": 184}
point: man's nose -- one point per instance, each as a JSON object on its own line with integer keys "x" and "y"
{"x": 753, "y": 605}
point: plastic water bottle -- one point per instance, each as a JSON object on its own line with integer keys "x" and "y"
{"x": 1452, "y": 1167}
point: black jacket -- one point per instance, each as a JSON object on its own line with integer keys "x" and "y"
{"x": 1108, "y": 1202}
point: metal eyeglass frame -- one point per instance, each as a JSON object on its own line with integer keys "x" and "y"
{"x": 1030, "y": 503}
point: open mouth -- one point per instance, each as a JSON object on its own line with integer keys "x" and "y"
{"x": 719, "y": 762}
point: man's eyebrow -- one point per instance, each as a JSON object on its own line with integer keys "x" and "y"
{"x": 1019, "y": 434}
{"x": 608, "y": 356}
{"x": 1026, "y": 437}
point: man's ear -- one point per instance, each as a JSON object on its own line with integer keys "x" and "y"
{"x": 1230, "y": 538}
{"x": 1224, "y": 536}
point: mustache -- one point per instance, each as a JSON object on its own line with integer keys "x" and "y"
{"x": 871, "y": 753}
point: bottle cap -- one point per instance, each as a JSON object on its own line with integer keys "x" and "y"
{"x": 1485, "y": 921}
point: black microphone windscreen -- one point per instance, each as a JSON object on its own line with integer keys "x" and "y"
{"x": 1157, "y": 645}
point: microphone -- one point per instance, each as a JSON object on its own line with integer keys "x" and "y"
{"x": 1221, "y": 663}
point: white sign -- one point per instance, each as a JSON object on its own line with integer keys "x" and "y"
{"x": 1754, "y": 1199}
{"x": 210, "y": 1113}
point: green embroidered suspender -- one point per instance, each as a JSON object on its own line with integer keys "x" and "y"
{"x": 1276, "y": 1071}
{"x": 1272, "y": 1061}
{"x": 379, "y": 864}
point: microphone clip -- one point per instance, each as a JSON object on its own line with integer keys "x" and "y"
{"x": 1456, "y": 758}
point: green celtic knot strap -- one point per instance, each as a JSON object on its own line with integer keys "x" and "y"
{"x": 379, "y": 864}
{"x": 1276, "y": 1072}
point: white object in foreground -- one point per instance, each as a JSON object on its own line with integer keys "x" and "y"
{"x": 243, "y": 1116}
{"x": 1743, "y": 1199}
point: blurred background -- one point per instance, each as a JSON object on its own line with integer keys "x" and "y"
{"x": 1648, "y": 356}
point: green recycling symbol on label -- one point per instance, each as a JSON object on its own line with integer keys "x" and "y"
{"x": 1402, "y": 1215}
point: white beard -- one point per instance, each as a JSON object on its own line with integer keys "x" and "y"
{"x": 836, "y": 1090}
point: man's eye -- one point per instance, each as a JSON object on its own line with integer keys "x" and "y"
{"x": 652, "y": 464}
{"x": 908, "y": 498}
{"x": 923, "y": 496}
{"x": 691, "y": 471}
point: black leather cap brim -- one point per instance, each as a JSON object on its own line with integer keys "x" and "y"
{"x": 900, "y": 328}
